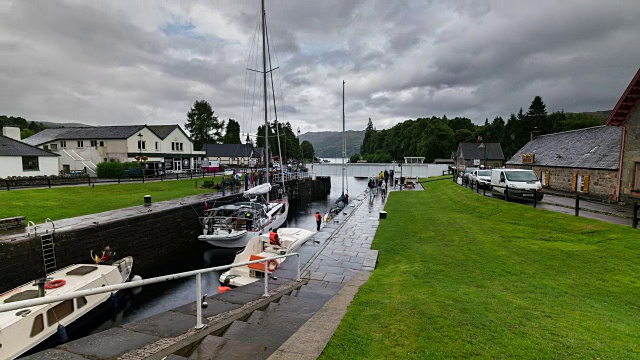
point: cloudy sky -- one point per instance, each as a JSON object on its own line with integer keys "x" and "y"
{"x": 146, "y": 62}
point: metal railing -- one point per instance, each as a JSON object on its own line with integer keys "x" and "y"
{"x": 277, "y": 177}
{"x": 139, "y": 283}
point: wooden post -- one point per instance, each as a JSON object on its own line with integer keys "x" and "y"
{"x": 634, "y": 221}
{"x": 49, "y": 182}
{"x": 89, "y": 179}
{"x": 577, "y": 204}
{"x": 484, "y": 190}
{"x": 7, "y": 185}
{"x": 535, "y": 198}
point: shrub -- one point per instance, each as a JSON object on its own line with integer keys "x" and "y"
{"x": 117, "y": 169}
{"x": 208, "y": 184}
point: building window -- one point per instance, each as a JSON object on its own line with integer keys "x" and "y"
{"x": 54, "y": 146}
{"x": 94, "y": 143}
{"x": 101, "y": 143}
{"x": 580, "y": 183}
{"x": 30, "y": 163}
{"x": 46, "y": 147}
{"x": 177, "y": 146}
{"x": 142, "y": 144}
{"x": 80, "y": 143}
{"x": 63, "y": 144}
{"x": 157, "y": 145}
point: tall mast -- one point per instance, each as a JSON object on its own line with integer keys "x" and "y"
{"x": 264, "y": 83}
{"x": 344, "y": 144}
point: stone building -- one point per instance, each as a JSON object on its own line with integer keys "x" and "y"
{"x": 583, "y": 161}
{"x": 487, "y": 154}
{"x": 626, "y": 117}
{"x": 602, "y": 161}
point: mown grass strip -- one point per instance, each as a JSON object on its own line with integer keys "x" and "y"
{"x": 66, "y": 202}
{"x": 461, "y": 275}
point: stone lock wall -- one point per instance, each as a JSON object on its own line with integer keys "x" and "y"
{"x": 161, "y": 240}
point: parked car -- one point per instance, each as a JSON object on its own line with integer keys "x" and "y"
{"x": 516, "y": 183}
{"x": 465, "y": 174}
{"x": 481, "y": 178}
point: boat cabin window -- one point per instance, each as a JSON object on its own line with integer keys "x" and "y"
{"x": 59, "y": 312}
{"x": 80, "y": 302}
{"x": 38, "y": 325}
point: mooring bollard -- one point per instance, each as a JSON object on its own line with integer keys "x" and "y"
{"x": 577, "y": 204}
{"x": 634, "y": 221}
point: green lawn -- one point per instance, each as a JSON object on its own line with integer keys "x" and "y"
{"x": 66, "y": 202}
{"x": 465, "y": 276}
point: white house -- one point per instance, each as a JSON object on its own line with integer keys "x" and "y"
{"x": 20, "y": 159}
{"x": 161, "y": 147}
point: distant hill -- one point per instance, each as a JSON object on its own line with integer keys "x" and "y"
{"x": 59, "y": 125}
{"x": 328, "y": 144}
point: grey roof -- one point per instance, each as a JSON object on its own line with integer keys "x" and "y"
{"x": 83, "y": 133}
{"x": 227, "y": 150}
{"x": 472, "y": 151}
{"x": 11, "y": 147}
{"x": 593, "y": 148}
{"x": 164, "y": 130}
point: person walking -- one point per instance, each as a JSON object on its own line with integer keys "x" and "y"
{"x": 318, "y": 220}
{"x": 383, "y": 187}
{"x": 223, "y": 185}
{"x": 233, "y": 185}
{"x": 246, "y": 181}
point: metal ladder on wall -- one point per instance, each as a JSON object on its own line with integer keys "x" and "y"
{"x": 49, "y": 250}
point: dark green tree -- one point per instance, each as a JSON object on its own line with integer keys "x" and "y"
{"x": 203, "y": 125}
{"x": 368, "y": 134}
{"x": 232, "y": 134}
{"x": 537, "y": 116}
{"x": 307, "y": 150}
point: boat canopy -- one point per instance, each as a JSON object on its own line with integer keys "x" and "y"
{"x": 258, "y": 190}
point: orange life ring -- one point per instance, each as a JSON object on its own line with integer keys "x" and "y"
{"x": 272, "y": 265}
{"x": 54, "y": 284}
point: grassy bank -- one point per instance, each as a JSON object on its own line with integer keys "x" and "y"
{"x": 461, "y": 275}
{"x": 66, "y": 202}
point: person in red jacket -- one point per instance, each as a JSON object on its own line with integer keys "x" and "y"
{"x": 224, "y": 287}
{"x": 274, "y": 239}
{"x": 318, "y": 219}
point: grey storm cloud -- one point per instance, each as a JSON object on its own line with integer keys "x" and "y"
{"x": 123, "y": 62}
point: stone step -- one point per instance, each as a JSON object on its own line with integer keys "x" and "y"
{"x": 214, "y": 347}
{"x": 255, "y": 317}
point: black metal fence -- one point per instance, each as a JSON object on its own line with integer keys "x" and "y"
{"x": 475, "y": 186}
{"x": 49, "y": 182}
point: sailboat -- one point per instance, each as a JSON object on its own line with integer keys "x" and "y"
{"x": 290, "y": 239}
{"x": 343, "y": 200}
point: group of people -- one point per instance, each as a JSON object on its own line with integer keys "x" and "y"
{"x": 379, "y": 184}
{"x": 249, "y": 180}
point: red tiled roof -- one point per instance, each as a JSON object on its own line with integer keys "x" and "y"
{"x": 627, "y": 103}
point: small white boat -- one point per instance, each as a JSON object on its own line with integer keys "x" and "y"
{"x": 227, "y": 225}
{"x": 291, "y": 239}
{"x": 24, "y": 329}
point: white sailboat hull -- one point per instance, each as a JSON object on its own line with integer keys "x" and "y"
{"x": 274, "y": 219}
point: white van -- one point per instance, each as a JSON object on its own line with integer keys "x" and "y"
{"x": 516, "y": 183}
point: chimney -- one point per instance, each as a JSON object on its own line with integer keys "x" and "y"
{"x": 11, "y": 132}
{"x": 534, "y": 133}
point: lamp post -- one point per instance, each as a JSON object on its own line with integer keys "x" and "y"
{"x": 400, "y": 165}
{"x": 483, "y": 146}
{"x": 140, "y": 148}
